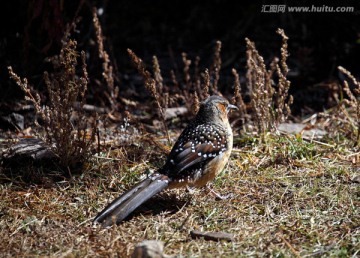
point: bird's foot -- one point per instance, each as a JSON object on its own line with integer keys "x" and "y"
{"x": 217, "y": 195}
{"x": 190, "y": 189}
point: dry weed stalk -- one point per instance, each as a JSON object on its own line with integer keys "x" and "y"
{"x": 157, "y": 75}
{"x": 64, "y": 132}
{"x": 186, "y": 70}
{"x": 237, "y": 99}
{"x": 205, "y": 89}
{"x": 112, "y": 92}
{"x": 270, "y": 104}
{"x": 250, "y": 73}
{"x": 215, "y": 68}
{"x": 150, "y": 85}
{"x": 283, "y": 100}
{"x": 262, "y": 91}
{"x": 173, "y": 79}
{"x": 197, "y": 69}
{"x": 196, "y": 103}
{"x": 353, "y": 101}
{"x": 197, "y": 76}
{"x": 192, "y": 81}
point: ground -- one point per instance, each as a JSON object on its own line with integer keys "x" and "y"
{"x": 289, "y": 197}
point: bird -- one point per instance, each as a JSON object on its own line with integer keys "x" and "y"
{"x": 200, "y": 153}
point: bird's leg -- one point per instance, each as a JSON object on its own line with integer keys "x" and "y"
{"x": 190, "y": 189}
{"x": 217, "y": 195}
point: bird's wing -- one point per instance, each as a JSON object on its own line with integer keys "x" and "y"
{"x": 196, "y": 145}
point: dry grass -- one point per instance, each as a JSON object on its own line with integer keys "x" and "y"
{"x": 112, "y": 91}
{"x": 290, "y": 198}
{"x": 59, "y": 126}
{"x": 152, "y": 85}
{"x": 270, "y": 99}
{"x": 353, "y": 103}
{"x": 237, "y": 99}
{"x": 215, "y": 69}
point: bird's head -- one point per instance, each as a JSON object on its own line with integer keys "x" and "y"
{"x": 215, "y": 108}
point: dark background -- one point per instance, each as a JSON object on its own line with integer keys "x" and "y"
{"x": 319, "y": 42}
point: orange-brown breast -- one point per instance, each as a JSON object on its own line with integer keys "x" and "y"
{"x": 214, "y": 167}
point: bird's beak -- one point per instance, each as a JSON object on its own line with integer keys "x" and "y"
{"x": 230, "y": 106}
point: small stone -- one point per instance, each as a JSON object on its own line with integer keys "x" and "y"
{"x": 213, "y": 236}
{"x": 150, "y": 249}
{"x": 356, "y": 179}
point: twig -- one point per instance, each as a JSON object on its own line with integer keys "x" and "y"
{"x": 292, "y": 249}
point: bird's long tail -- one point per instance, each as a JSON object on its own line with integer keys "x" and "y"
{"x": 126, "y": 203}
